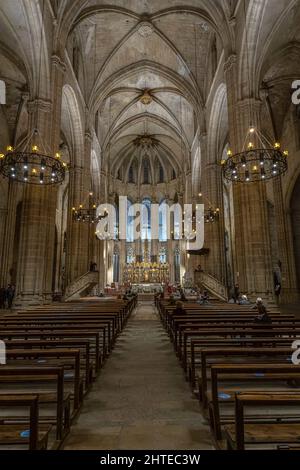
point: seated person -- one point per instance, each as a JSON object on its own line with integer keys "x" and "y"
{"x": 263, "y": 316}
{"x": 199, "y": 298}
{"x": 182, "y": 295}
{"x": 172, "y": 300}
{"x": 179, "y": 310}
{"x": 205, "y": 298}
{"x": 244, "y": 300}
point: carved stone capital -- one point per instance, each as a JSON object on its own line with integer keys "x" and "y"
{"x": 40, "y": 104}
{"x": 88, "y": 137}
{"x": 230, "y": 62}
{"x": 59, "y": 63}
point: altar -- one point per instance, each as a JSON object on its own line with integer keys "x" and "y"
{"x": 146, "y": 288}
{"x": 146, "y": 292}
{"x": 146, "y": 273}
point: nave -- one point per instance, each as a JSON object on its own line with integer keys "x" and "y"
{"x": 102, "y": 374}
{"x": 141, "y": 400}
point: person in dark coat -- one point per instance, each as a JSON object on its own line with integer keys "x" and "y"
{"x": 2, "y": 297}
{"x": 179, "y": 310}
{"x": 10, "y": 294}
{"x": 236, "y": 293}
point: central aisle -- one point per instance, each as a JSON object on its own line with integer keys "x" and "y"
{"x": 140, "y": 399}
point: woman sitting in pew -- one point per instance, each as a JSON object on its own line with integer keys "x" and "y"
{"x": 179, "y": 310}
{"x": 203, "y": 299}
{"x": 263, "y": 316}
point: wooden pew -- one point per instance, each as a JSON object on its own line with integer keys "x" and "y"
{"x": 211, "y": 356}
{"x": 255, "y": 374}
{"x": 258, "y": 433}
{"x": 88, "y": 368}
{"x": 17, "y": 358}
{"x": 226, "y": 332}
{"x": 13, "y": 434}
{"x": 51, "y": 394}
{"x": 197, "y": 345}
{"x": 92, "y": 336}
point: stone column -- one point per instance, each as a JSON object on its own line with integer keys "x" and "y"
{"x": 212, "y": 191}
{"x": 36, "y": 250}
{"x": 289, "y": 291}
{"x": 37, "y": 223}
{"x": 253, "y": 268}
{"x": 78, "y": 237}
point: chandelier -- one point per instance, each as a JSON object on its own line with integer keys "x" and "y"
{"x": 27, "y": 163}
{"x": 89, "y": 214}
{"x": 31, "y": 165}
{"x": 253, "y": 163}
{"x": 211, "y": 214}
{"x": 259, "y": 160}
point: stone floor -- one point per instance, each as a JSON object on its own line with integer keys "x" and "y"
{"x": 141, "y": 400}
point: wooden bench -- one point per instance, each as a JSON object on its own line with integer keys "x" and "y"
{"x": 260, "y": 434}
{"x": 16, "y": 358}
{"x": 49, "y": 394}
{"x": 36, "y": 437}
{"x": 211, "y": 356}
{"x": 255, "y": 374}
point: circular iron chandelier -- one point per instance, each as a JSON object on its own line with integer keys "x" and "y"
{"x": 32, "y": 167}
{"x": 211, "y": 215}
{"x": 26, "y": 163}
{"x": 88, "y": 215}
{"x": 259, "y": 163}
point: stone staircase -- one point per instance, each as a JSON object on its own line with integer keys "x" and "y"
{"x": 82, "y": 286}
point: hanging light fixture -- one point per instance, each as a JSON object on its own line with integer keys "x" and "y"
{"x": 255, "y": 163}
{"x": 88, "y": 214}
{"x": 31, "y": 166}
{"x": 27, "y": 163}
{"x": 259, "y": 159}
{"x": 211, "y": 214}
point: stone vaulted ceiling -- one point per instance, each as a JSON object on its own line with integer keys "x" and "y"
{"x": 122, "y": 53}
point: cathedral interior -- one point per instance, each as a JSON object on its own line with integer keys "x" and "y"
{"x": 164, "y": 102}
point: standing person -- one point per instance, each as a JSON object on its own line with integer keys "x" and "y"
{"x": 236, "y": 293}
{"x": 10, "y": 293}
{"x": 2, "y": 297}
{"x": 277, "y": 291}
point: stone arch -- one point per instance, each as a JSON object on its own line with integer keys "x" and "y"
{"x": 72, "y": 123}
{"x": 217, "y": 134}
{"x": 196, "y": 173}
